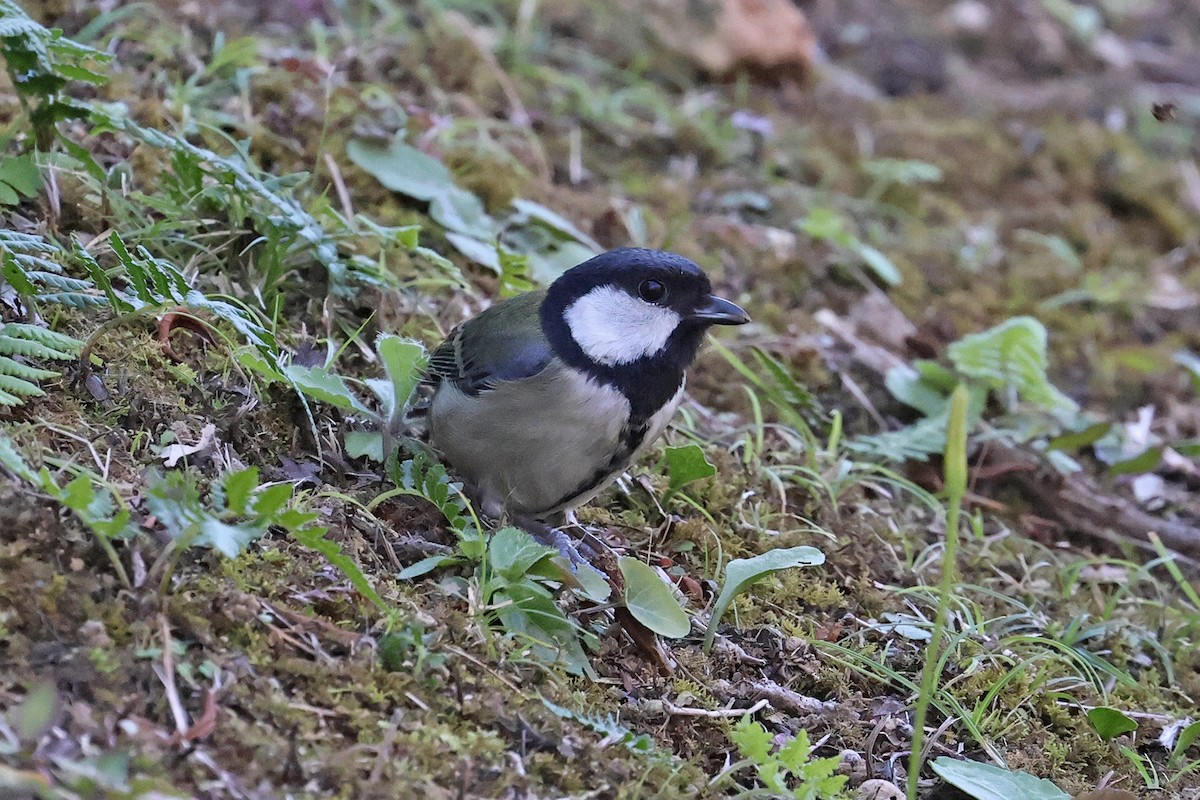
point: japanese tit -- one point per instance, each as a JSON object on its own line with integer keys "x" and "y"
{"x": 544, "y": 399}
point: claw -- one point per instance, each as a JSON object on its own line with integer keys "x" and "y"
{"x": 553, "y": 537}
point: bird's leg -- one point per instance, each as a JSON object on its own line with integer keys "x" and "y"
{"x": 551, "y": 536}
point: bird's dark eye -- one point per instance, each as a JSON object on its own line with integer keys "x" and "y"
{"x": 652, "y": 291}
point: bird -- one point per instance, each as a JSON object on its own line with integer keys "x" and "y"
{"x": 544, "y": 399}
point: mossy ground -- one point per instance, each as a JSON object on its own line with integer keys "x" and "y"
{"x": 279, "y": 656}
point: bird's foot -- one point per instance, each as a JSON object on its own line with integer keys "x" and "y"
{"x": 553, "y": 537}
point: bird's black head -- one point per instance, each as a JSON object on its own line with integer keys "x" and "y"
{"x": 634, "y": 318}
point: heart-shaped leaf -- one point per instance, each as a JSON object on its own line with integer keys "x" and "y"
{"x": 651, "y": 601}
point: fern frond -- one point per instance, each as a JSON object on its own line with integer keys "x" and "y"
{"x": 27, "y": 265}
{"x": 33, "y": 341}
{"x": 12, "y": 461}
{"x": 155, "y": 283}
{"x": 277, "y": 215}
{"x": 15, "y": 369}
{"x": 17, "y": 379}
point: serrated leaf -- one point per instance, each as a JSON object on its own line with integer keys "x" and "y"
{"x": 269, "y": 500}
{"x": 741, "y": 573}
{"x": 651, "y": 601}
{"x": 255, "y": 361}
{"x": 529, "y": 610}
{"x": 512, "y": 552}
{"x": 1011, "y": 357}
{"x": 314, "y": 539}
{"x": 321, "y": 384}
{"x": 987, "y": 782}
{"x": 16, "y": 369}
{"x": 228, "y": 539}
{"x": 752, "y": 740}
{"x": 404, "y": 361}
{"x": 239, "y": 486}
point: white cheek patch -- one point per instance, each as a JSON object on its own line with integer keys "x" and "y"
{"x": 613, "y": 327}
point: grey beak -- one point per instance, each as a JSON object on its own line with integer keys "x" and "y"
{"x": 718, "y": 311}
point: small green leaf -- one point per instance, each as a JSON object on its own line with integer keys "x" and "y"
{"x": 404, "y": 362}
{"x": 425, "y": 566}
{"x": 478, "y": 250}
{"x": 1011, "y": 357}
{"x": 401, "y": 168}
{"x": 269, "y": 500}
{"x": 651, "y": 601}
{"x": 1073, "y": 440}
{"x": 229, "y": 540}
{"x": 1110, "y": 722}
{"x": 238, "y": 488}
{"x": 461, "y": 212}
{"x": 252, "y": 359}
{"x": 593, "y": 584}
{"x": 902, "y": 170}
{"x": 364, "y": 443}
{"x": 22, "y": 175}
{"x": 12, "y": 460}
{"x": 987, "y": 782}
{"x": 547, "y": 263}
{"x": 527, "y": 209}
{"x": 529, "y": 610}
{"x": 35, "y": 714}
{"x": 1145, "y": 461}
{"x": 741, "y": 573}
{"x": 323, "y": 385}
{"x": 512, "y": 552}
{"x": 753, "y": 741}
{"x": 910, "y": 387}
{"x": 1186, "y": 739}
{"x": 1190, "y": 362}
{"x": 826, "y": 224}
{"x": 685, "y": 465}
{"x": 880, "y": 264}
{"x": 314, "y": 539}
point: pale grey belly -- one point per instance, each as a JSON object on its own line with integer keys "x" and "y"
{"x": 525, "y": 447}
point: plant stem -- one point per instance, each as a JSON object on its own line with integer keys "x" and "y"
{"x": 956, "y": 487}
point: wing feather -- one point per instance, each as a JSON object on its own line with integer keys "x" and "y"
{"x": 504, "y": 343}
